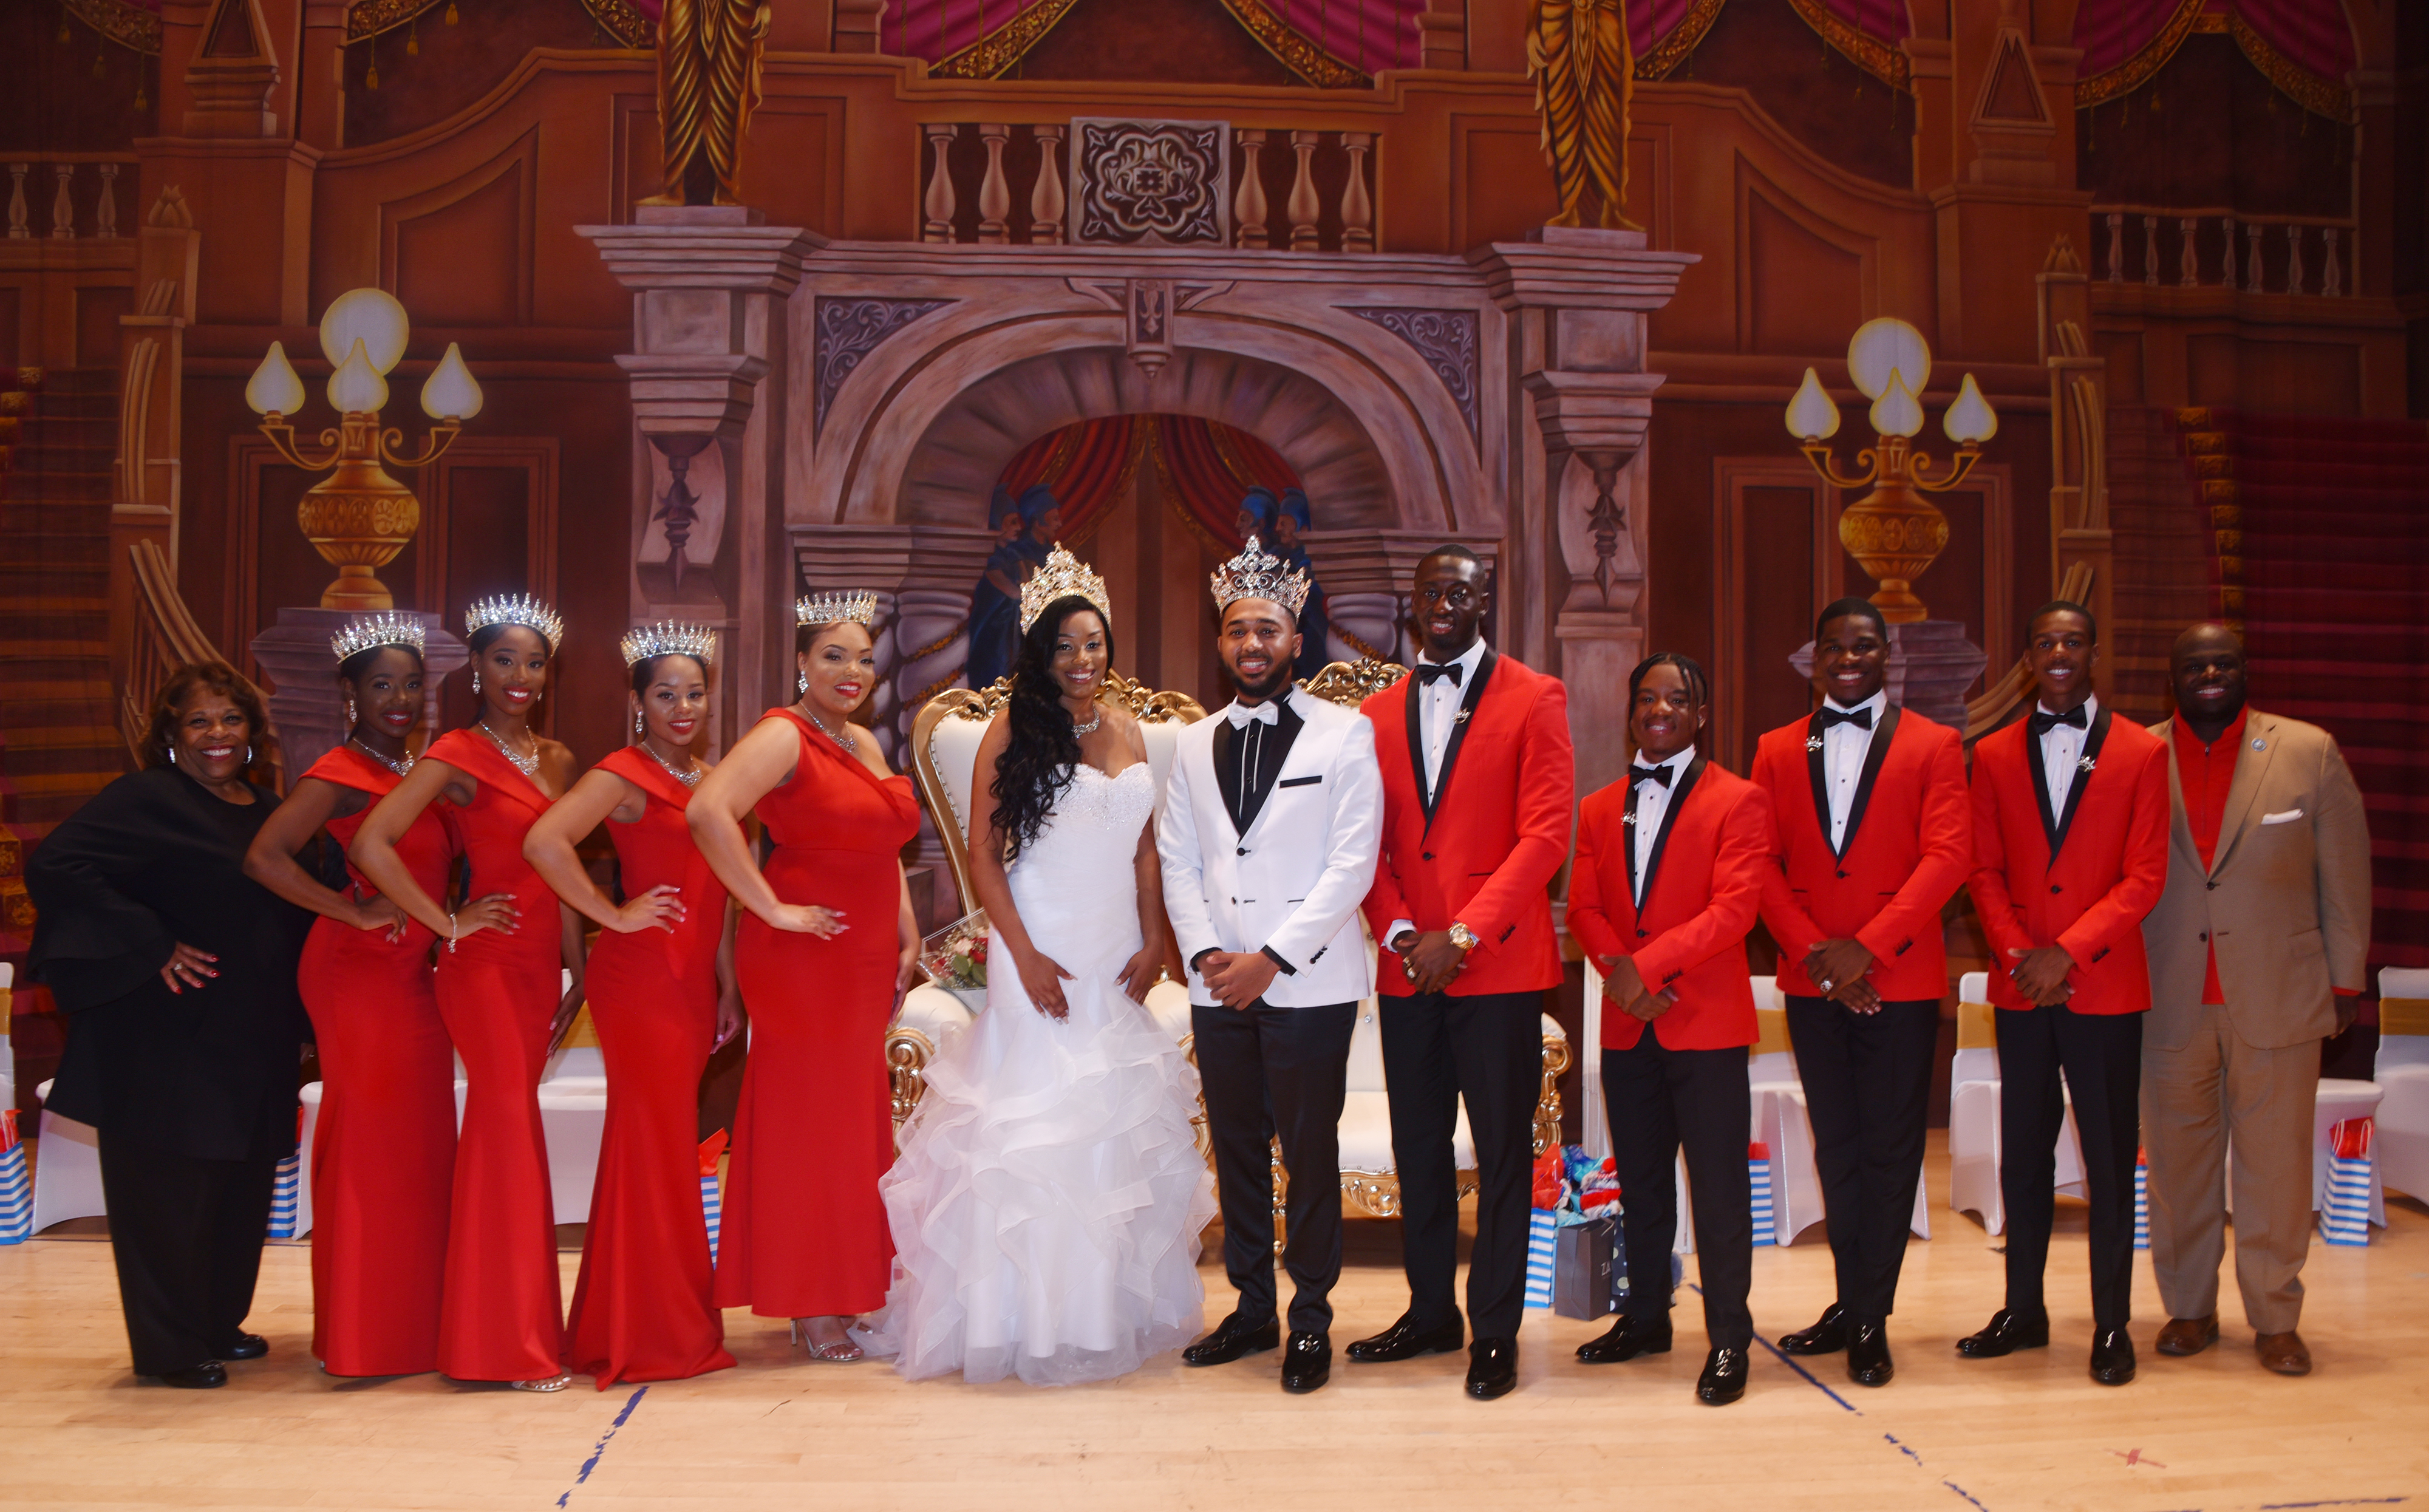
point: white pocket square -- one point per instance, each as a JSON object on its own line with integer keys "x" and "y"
{"x": 2287, "y": 817}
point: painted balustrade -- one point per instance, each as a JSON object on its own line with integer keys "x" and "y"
{"x": 2215, "y": 248}
{"x": 64, "y": 196}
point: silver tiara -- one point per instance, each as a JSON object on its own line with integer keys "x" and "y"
{"x": 667, "y": 638}
{"x": 835, "y": 608}
{"x": 1256, "y": 573}
{"x": 516, "y": 609}
{"x": 387, "y": 628}
{"x": 1064, "y": 576}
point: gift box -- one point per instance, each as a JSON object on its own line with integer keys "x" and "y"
{"x": 2141, "y": 1199}
{"x": 1758, "y": 1191}
{"x": 2345, "y": 1220}
{"x": 287, "y": 1191}
{"x": 1587, "y": 1256}
{"x": 712, "y": 1204}
{"x": 16, "y": 1190}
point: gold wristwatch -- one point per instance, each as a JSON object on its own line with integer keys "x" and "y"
{"x": 1462, "y": 936}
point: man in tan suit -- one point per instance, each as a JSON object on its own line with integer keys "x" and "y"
{"x": 2256, "y": 952}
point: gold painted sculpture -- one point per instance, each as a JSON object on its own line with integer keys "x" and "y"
{"x": 1585, "y": 76}
{"x": 709, "y": 55}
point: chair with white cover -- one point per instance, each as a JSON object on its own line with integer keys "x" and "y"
{"x": 8, "y": 1049}
{"x": 1783, "y": 1123}
{"x": 1974, "y": 1113}
{"x": 573, "y": 1114}
{"x": 2403, "y": 1075}
{"x": 67, "y": 1168}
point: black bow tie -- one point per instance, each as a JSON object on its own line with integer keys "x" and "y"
{"x": 2043, "y": 721}
{"x": 1427, "y": 671}
{"x": 1861, "y": 719}
{"x": 1649, "y": 774}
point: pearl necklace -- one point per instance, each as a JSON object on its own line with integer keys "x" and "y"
{"x": 847, "y": 742}
{"x": 528, "y": 766}
{"x": 400, "y": 769}
{"x": 689, "y": 779}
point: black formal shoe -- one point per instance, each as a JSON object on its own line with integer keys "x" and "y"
{"x": 1827, "y": 1336}
{"x": 2112, "y": 1356}
{"x": 1491, "y": 1367}
{"x": 1868, "y": 1355}
{"x": 209, "y": 1375}
{"x": 1307, "y": 1363}
{"x": 1627, "y": 1338}
{"x": 247, "y": 1346}
{"x": 1406, "y": 1340}
{"x": 1233, "y": 1337}
{"x": 1723, "y": 1378}
{"x": 2008, "y": 1332}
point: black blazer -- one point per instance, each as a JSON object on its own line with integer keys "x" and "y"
{"x": 153, "y": 860}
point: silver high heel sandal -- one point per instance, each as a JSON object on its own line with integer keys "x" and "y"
{"x": 842, "y": 1352}
{"x": 553, "y": 1383}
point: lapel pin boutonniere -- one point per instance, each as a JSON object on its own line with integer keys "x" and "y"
{"x": 1460, "y": 719}
{"x": 1628, "y": 819}
{"x": 1812, "y": 743}
{"x": 2086, "y": 764}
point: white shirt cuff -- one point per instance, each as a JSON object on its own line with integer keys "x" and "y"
{"x": 1399, "y": 926}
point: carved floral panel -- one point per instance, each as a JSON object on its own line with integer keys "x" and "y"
{"x": 1161, "y": 183}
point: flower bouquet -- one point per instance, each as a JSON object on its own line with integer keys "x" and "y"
{"x": 955, "y": 957}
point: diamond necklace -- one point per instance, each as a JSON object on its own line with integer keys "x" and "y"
{"x": 847, "y": 742}
{"x": 400, "y": 769}
{"x": 528, "y": 766}
{"x": 1090, "y": 728}
{"x": 689, "y": 779}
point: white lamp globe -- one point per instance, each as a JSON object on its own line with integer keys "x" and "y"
{"x": 1897, "y": 412}
{"x": 1885, "y": 346}
{"x": 1811, "y": 416}
{"x": 451, "y": 394}
{"x": 357, "y": 387}
{"x": 370, "y": 316}
{"x": 275, "y": 390}
{"x": 1970, "y": 420}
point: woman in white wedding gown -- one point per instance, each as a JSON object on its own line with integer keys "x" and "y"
{"x": 1047, "y": 1204}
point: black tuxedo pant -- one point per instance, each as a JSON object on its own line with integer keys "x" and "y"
{"x": 2101, "y": 1055}
{"x": 186, "y": 1235}
{"x": 1489, "y": 1049}
{"x": 1868, "y": 1087}
{"x": 1276, "y": 1073}
{"x": 1662, "y": 1101}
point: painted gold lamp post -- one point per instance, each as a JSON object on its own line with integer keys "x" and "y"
{"x": 358, "y": 516}
{"x": 1893, "y": 532}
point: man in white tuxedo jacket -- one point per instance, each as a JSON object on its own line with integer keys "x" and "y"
{"x": 1272, "y": 819}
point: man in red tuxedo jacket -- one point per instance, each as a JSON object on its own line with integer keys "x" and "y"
{"x": 1478, "y": 780}
{"x": 1667, "y": 880}
{"x": 2070, "y": 852}
{"x": 1873, "y": 833}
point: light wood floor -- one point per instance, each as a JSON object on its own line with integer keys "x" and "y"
{"x": 2210, "y": 1433}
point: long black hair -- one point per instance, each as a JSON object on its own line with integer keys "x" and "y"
{"x": 1039, "y": 759}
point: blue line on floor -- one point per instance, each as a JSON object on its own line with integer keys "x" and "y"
{"x": 601, "y": 1447}
{"x": 1963, "y": 1492}
{"x": 2357, "y": 1500}
{"x": 1792, "y": 1365}
{"x": 1903, "y": 1449}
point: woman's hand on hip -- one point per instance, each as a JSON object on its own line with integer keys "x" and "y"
{"x": 379, "y": 912}
{"x": 496, "y": 911}
{"x": 1043, "y": 980}
{"x": 660, "y": 908}
{"x": 808, "y": 918}
{"x": 188, "y": 967}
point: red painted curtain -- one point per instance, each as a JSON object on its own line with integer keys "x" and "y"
{"x": 1203, "y": 466}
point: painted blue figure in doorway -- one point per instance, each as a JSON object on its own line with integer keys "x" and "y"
{"x": 1290, "y": 517}
{"x": 1024, "y": 538}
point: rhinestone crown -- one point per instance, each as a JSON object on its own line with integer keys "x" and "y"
{"x": 386, "y": 628}
{"x": 834, "y": 609}
{"x": 667, "y": 638}
{"x": 1064, "y": 576}
{"x": 1257, "y": 574}
{"x": 516, "y": 609}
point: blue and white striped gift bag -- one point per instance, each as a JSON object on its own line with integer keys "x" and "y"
{"x": 2142, "y": 1200}
{"x": 285, "y": 1195}
{"x": 1543, "y": 1248}
{"x": 712, "y": 1202}
{"x": 1759, "y": 1181}
{"x": 2345, "y": 1220}
{"x": 16, "y": 1188}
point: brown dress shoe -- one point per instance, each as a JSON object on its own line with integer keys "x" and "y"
{"x": 2188, "y": 1336}
{"x": 2284, "y": 1353}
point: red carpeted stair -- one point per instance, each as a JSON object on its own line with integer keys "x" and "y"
{"x": 2334, "y": 565}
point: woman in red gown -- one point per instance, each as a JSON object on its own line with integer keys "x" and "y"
{"x": 661, "y": 996}
{"x": 384, "y": 1151}
{"x": 501, "y": 1315}
{"x": 823, "y": 957}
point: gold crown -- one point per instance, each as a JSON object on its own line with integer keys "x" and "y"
{"x": 667, "y": 638}
{"x": 834, "y": 609}
{"x": 516, "y": 609}
{"x": 1064, "y": 576}
{"x": 1256, "y": 573}
{"x": 386, "y": 628}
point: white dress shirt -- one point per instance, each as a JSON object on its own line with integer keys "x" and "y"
{"x": 1437, "y": 717}
{"x": 1843, "y": 750}
{"x": 2062, "y": 747}
{"x": 1652, "y": 804}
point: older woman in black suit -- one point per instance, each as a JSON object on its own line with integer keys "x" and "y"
{"x": 177, "y": 977}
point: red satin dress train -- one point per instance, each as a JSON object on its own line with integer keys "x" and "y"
{"x": 503, "y": 1316}
{"x": 642, "y": 1306}
{"x": 384, "y": 1150}
{"x": 804, "y": 1232}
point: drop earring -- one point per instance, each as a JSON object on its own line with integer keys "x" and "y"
{"x": 248, "y": 755}
{"x": 636, "y": 724}
{"x": 172, "y": 755}
{"x": 476, "y": 685}
{"x": 802, "y": 683}
{"x": 350, "y": 715}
